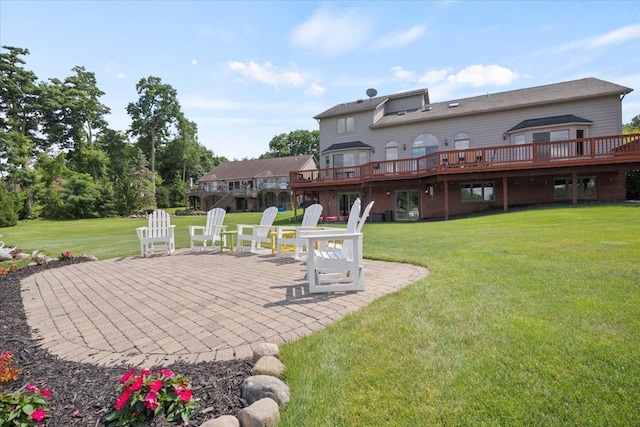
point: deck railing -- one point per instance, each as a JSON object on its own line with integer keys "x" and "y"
{"x": 598, "y": 150}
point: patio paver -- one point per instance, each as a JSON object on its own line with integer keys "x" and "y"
{"x": 187, "y": 307}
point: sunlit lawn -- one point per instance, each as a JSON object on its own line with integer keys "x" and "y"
{"x": 527, "y": 318}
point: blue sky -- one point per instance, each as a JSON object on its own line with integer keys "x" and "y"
{"x": 247, "y": 71}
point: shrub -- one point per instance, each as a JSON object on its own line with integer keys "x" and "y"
{"x": 8, "y": 215}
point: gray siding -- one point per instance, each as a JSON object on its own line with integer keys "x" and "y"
{"x": 403, "y": 104}
{"x": 484, "y": 129}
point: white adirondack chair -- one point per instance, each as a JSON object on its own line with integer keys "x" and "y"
{"x": 309, "y": 222}
{"x": 337, "y": 268}
{"x": 257, "y": 234}
{"x": 207, "y": 235}
{"x": 158, "y": 236}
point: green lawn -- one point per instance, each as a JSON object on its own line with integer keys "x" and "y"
{"x": 527, "y": 318}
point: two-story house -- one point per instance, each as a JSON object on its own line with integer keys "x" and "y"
{"x": 559, "y": 143}
{"x": 249, "y": 185}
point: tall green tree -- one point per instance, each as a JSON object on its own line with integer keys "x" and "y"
{"x": 73, "y": 118}
{"x": 19, "y": 123}
{"x": 296, "y": 143}
{"x": 154, "y": 117}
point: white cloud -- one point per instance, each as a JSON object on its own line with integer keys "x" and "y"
{"x": 121, "y": 75}
{"x": 400, "y": 39}
{"x": 194, "y": 61}
{"x": 607, "y": 39}
{"x": 315, "y": 90}
{"x": 402, "y": 74}
{"x": 483, "y": 75}
{"x": 266, "y": 73}
{"x": 333, "y": 34}
{"x": 616, "y": 36}
{"x": 433, "y": 76}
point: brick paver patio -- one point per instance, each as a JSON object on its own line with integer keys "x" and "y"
{"x": 187, "y": 307}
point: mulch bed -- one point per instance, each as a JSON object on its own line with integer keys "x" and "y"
{"x": 91, "y": 390}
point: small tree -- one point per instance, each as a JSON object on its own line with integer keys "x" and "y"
{"x": 81, "y": 197}
{"x": 8, "y": 215}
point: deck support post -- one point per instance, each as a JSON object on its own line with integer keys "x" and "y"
{"x": 574, "y": 190}
{"x": 505, "y": 194}
{"x": 446, "y": 199}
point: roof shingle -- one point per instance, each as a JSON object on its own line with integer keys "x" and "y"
{"x": 248, "y": 169}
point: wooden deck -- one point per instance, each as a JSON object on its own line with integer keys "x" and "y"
{"x": 605, "y": 150}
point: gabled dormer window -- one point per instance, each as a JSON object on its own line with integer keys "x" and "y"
{"x": 346, "y": 124}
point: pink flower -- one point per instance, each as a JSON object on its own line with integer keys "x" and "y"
{"x": 31, "y": 388}
{"x": 156, "y": 386}
{"x": 166, "y": 373}
{"x": 38, "y": 415}
{"x": 126, "y": 376}
{"x": 74, "y": 414}
{"x": 137, "y": 384}
{"x": 151, "y": 400}
{"x": 45, "y": 392}
{"x": 145, "y": 372}
{"x": 185, "y": 395}
{"x": 123, "y": 398}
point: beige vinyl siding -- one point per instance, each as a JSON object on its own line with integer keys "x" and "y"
{"x": 484, "y": 129}
{"x": 403, "y": 104}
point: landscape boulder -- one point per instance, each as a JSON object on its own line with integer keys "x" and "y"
{"x": 263, "y": 413}
{"x": 223, "y": 421}
{"x": 258, "y": 387}
{"x": 265, "y": 349}
{"x": 268, "y": 365}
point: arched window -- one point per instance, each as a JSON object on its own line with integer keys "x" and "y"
{"x": 461, "y": 141}
{"x": 424, "y": 144}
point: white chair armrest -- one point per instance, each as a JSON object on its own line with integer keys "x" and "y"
{"x": 282, "y": 228}
{"x": 323, "y": 231}
{"x": 265, "y": 227}
{"x": 320, "y": 237}
{"x": 241, "y": 227}
{"x": 194, "y": 228}
{"x": 142, "y": 232}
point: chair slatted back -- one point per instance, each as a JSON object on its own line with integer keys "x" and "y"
{"x": 159, "y": 223}
{"x": 268, "y": 216}
{"x": 312, "y": 215}
{"x": 352, "y": 227}
{"x": 215, "y": 218}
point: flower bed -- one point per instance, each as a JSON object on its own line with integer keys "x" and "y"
{"x": 83, "y": 394}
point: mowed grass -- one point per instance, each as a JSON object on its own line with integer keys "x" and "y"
{"x": 526, "y": 318}
{"x": 108, "y": 237}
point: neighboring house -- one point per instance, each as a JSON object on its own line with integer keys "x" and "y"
{"x": 249, "y": 185}
{"x": 558, "y": 143}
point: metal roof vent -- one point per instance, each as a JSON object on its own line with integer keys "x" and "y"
{"x": 426, "y": 108}
{"x": 401, "y": 113}
{"x": 454, "y": 104}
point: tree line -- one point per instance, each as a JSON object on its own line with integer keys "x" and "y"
{"x": 59, "y": 159}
